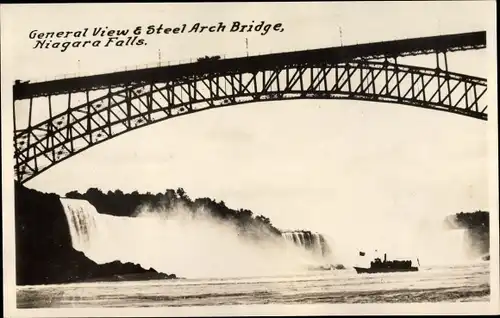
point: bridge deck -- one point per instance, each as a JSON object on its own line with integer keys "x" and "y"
{"x": 416, "y": 46}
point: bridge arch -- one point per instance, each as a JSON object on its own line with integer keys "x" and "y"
{"x": 138, "y": 105}
{"x": 126, "y": 101}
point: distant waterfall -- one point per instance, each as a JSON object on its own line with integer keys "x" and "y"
{"x": 313, "y": 242}
{"x": 454, "y": 245}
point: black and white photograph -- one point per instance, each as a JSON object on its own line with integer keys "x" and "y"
{"x": 249, "y": 158}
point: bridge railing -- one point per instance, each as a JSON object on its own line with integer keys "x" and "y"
{"x": 178, "y": 62}
{"x": 114, "y": 70}
{"x": 157, "y": 64}
{"x": 138, "y": 67}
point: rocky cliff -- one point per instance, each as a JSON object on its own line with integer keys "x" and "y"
{"x": 44, "y": 253}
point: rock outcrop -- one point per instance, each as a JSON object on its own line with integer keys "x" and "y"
{"x": 44, "y": 253}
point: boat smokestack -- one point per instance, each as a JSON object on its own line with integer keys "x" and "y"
{"x": 385, "y": 257}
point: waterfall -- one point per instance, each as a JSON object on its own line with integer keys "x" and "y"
{"x": 437, "y": 246}
{"x": 187, "y": 243}
{"x": 101, "y": 237}
{"x": 313, "y": 242}
{"x": 454, "y": 245}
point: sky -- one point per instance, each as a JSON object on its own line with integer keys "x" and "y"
{"x": 323, "y": 165}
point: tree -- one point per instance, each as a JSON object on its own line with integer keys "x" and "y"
{"x": 170, "y": 194}
{"x": 73, "y": 195}
{"x": 263, "y": 219}
{"x": 245, "y": 214}
{"x": 125, "y": 204}
{"x": 182, "y": 194}
{"x": 94, "y": 191}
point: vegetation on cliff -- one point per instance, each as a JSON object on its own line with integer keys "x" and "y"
{"x": 127, "y": 204}
{"x": 44, "y": 252}
{"x": 469, "y": 220}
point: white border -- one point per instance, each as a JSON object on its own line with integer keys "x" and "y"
{"x": 8, "y": 35}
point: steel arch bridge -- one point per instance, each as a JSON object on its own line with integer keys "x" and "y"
{"x": 100, "y": 107}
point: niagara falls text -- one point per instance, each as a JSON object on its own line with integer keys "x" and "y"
{"x": 105, "y": 36}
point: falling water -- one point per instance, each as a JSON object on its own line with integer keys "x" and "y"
{"x": 436, "y": 245}
{"x": 181, "y": 242}
{"x": 313, "y": 242}
{"x": 98, "y": 235}
{"x": 448, "y": 247}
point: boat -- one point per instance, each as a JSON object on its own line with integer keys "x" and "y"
{"x": 385, "y": 266}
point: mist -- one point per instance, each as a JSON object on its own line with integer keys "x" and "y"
{"x": 422, "y": 239}
{"x": 188, "y": 243}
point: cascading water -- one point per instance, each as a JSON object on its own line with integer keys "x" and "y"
{"x": 179, "y": 241}
{"x": 99, "y": 236}
{"x": 313, "y": 242}
{"x": 435, "y": 245}
{"x": 449, "y": 247}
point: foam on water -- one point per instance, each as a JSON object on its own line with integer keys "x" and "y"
{"x": 449, "y": 283}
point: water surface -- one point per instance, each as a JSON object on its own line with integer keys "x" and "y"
{"x": 460, "y": 283}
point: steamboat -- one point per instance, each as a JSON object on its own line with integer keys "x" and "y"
{"x": 385, "y": 266}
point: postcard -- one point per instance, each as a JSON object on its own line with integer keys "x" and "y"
{"x": 240, "y": 159}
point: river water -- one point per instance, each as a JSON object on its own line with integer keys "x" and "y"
{"x": 460, "y": 283}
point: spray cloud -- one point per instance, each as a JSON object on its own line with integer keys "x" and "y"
{"x": 190, "y": 243}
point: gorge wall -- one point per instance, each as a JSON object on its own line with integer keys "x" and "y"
{"x": 44, "y": 251}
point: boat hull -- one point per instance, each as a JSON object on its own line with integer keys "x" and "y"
{"x": 361, "y": 270}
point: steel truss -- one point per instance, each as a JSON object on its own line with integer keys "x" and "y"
{"x": 134, "y": 105}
